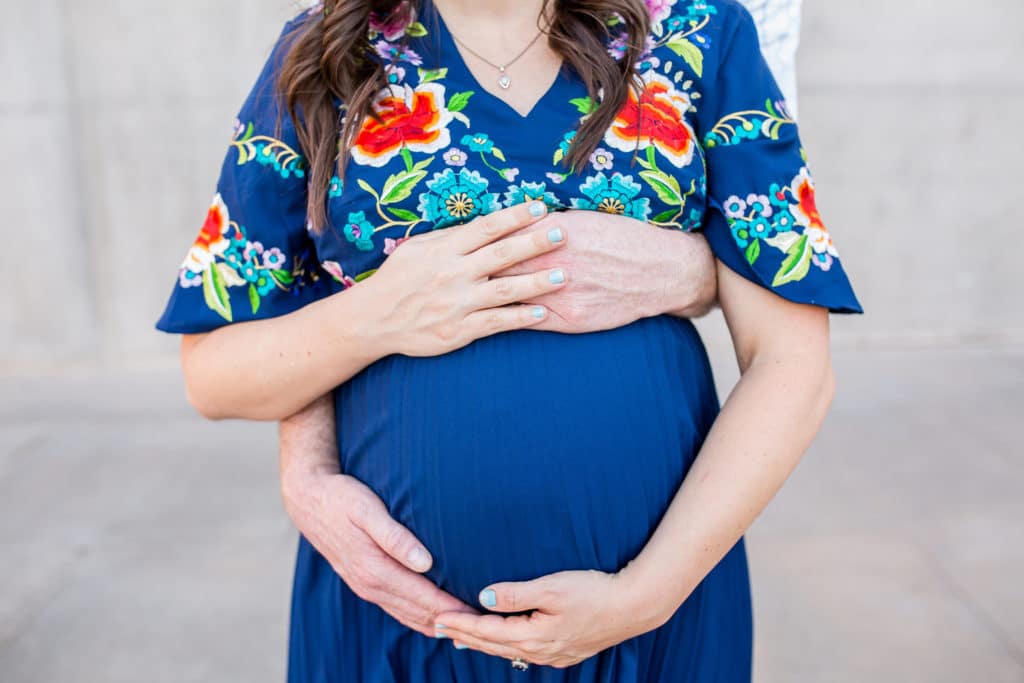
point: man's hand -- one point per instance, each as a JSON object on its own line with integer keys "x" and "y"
{"x": 378, "y": 558}
{"x": 620, "y": 269}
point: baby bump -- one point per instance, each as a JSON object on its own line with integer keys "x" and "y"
{"x": 530, "y": 452}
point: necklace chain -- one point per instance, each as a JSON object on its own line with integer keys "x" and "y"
{"x": 503, "y": 80}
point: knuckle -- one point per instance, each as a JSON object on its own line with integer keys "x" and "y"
{"x": 574, "y": 314}
{"x": 447, "y": 332}
{"x": 490, "y": 226}
{"x": 394, "y": 539}
{"x": 503, "y": 287}
{"x": 360, "y": 581}
{"x": 360, "y": 511}
{"x": 501, "y": 253}
{"x": 492, "y": 321}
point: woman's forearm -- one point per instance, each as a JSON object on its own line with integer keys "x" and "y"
{"x": 764, "y": 428}
{"x": 271, "y": 369}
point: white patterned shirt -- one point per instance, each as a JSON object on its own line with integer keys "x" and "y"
{"x": 778, "y": 25}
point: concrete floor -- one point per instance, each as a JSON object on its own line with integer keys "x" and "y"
{"x": 138, "y": 542}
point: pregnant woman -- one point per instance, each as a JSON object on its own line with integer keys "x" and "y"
{"x": 388, "y": 229}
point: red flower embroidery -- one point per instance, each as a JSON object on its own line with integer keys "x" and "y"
{"x": 656, "y": 116}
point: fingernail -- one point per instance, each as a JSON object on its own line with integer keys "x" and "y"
{"x": 419, "y": 559}
{"x": 538, "y": 313}
{"x": 488, "y": 598}
{"x": 537, "y": 209}
{"x": 557, "y": 277}
{"x": 440, "y": 635}
{"x": 440, "y": 627}
{"x": 461, "y": 646}
{"x": 555, "y": 235}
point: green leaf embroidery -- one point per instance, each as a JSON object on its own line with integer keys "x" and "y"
{"x": 498, "y": 154}
{"x": 664, "y": 216}
{"x": 363, "y": 276}
{"x": 403, "y": 214}
{"x": 665, "y": 186}
{"x": 366, "y": 186}
{"x": 428, "y": 75}
{"x": 399, "y": 186}
{"x": 650, "y": 157}
{"x": 796, "y": 264}
{"x": 559, "y": 155}
{"x": 690, "y": 53}
{"x": 416, "y": 30}
{"x": 254, "y": 298}
{"x": 283, "y": 277}
{"x": 419, "y": 165}
{"x": 407, "y": 158}
{"x": 753, "y": 251}
{"x": 585, "y": 105}
{"x": 215, "y": 293}
{"x": 459, "y": 100}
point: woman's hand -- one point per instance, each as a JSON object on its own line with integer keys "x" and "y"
{"x": 576, "y": 614}
{"x": 622, "y": 269}
{"x": 438, "y": 291}
{"x": 441, "y": 290}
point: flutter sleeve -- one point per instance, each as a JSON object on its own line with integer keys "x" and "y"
{"x": 253, "y": 257}
{"x": 762, "y": 220}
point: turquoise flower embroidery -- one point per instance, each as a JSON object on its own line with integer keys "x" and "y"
{"x": 616, "y": 195}
{"x": 750, "y": 129}
{"x": 455, "y": 197}
{"x": 478, "y": 142}
{"x": 777, "y": 196}
{"x": 694, "y": 221}
{"x": 359, "y": 231}
{"x": 784, "y": 221}
{"x": 740, "y": 232}
{"x": 760, "y": 228}
{"x": 529, "y": 192}
{"x": 699, "y": 10}
{"x": 335, "y": 188}
{"x": 264, "y": 284}
{"x": 269, "y": 154}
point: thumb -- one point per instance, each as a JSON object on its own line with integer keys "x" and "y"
{"x": 516, "y": 596}
{"x": 396, "y": 540}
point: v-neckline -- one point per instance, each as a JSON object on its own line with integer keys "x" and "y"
{"x": 447, "y": 45}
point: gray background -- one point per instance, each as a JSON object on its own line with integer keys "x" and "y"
{"x": 137, "y": 539}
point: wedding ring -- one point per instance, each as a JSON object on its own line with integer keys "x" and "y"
{"x": 520, "y": 664}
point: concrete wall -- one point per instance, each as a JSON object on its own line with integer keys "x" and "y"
{"x": 115, "y": 117}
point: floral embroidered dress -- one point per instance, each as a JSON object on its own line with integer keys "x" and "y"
{"x": 528, "y": 452}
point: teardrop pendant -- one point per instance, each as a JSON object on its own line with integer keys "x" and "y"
{"x": 504, "y": 81}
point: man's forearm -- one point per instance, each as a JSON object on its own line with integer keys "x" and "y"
{"x": 308, "y": 448}
{"x": 691, "y": 290}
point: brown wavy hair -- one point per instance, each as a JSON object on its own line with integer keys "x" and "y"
{"x": 329, "y": 58}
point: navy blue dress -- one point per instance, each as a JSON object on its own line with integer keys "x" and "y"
{"x": 528, "y": 452}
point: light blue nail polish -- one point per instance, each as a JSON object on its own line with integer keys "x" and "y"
{"x": 440, "y": 627}
{"x": 461, "y": 646}
{"x": 555, "y": 235}
{"x": 488, "y": 598}
{"x": 538, "y": 313}
{"x": 557, "y": 277}
{"x": 536, "y": 209}
{"x": 440, "y": 635}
